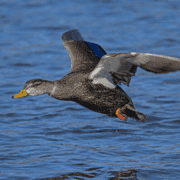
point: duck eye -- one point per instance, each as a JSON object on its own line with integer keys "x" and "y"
{"x": 36, "y": 84}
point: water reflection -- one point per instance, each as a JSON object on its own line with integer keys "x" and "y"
{"x": 95, "y": 173}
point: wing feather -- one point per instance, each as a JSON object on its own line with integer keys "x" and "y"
{"x": 118, "y": 68}
{"x": 155, "y": 63}
{"x": 84, "y": 55}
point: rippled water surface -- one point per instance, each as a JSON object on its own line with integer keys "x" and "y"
{"x": 43, "y": 138}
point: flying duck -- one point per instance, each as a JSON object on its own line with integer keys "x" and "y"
{"x": 95, "y": 77}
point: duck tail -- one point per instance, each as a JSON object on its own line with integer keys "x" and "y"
{"x": 140, "y": 116}
{"x": 130, "y": 111}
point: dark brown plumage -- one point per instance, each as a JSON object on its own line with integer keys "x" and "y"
{"x": 95, "y": 75}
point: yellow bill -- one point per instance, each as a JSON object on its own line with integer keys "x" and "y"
{"x": 22, "y": 94}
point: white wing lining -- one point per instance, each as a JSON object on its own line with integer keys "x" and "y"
{"x": 115, "y": 69}
{"x": 101, "y": 74}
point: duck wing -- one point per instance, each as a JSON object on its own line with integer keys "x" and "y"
{"x": 84, "y": 55}
{"x": 115, "y": 69}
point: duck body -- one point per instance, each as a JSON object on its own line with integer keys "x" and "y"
{"x": 80, "y": 89}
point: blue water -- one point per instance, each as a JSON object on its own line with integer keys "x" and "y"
{"x": 43, "y": 138}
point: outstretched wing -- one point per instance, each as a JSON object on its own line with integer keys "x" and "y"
{"x": 154, "y": 63}
{"x": 115, "y": 69}
{"x": 84, "y": 55}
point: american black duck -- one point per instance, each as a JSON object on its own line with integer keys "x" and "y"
{"x": 95, "y": 77}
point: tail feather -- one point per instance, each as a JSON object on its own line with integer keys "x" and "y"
{"x": 141, "y": 116}
{"x": 130, "y": 111}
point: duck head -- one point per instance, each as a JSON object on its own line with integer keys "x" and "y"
{"x": 34, "y": 87}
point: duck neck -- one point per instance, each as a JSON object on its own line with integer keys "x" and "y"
{"x": 60, "y": 90}
{"x": 49, "y": 87}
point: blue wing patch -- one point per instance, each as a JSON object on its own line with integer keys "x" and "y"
{"x": 98, "y": 50}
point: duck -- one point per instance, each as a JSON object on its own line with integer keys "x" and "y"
{"x": 96, "y": 77}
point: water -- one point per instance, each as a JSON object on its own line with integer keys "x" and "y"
{"x": 43, "y": 138}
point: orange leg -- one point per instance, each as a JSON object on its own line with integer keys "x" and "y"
{"x": 119, "y": 115}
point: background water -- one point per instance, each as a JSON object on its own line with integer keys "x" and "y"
{"x": 43, "y": 138}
